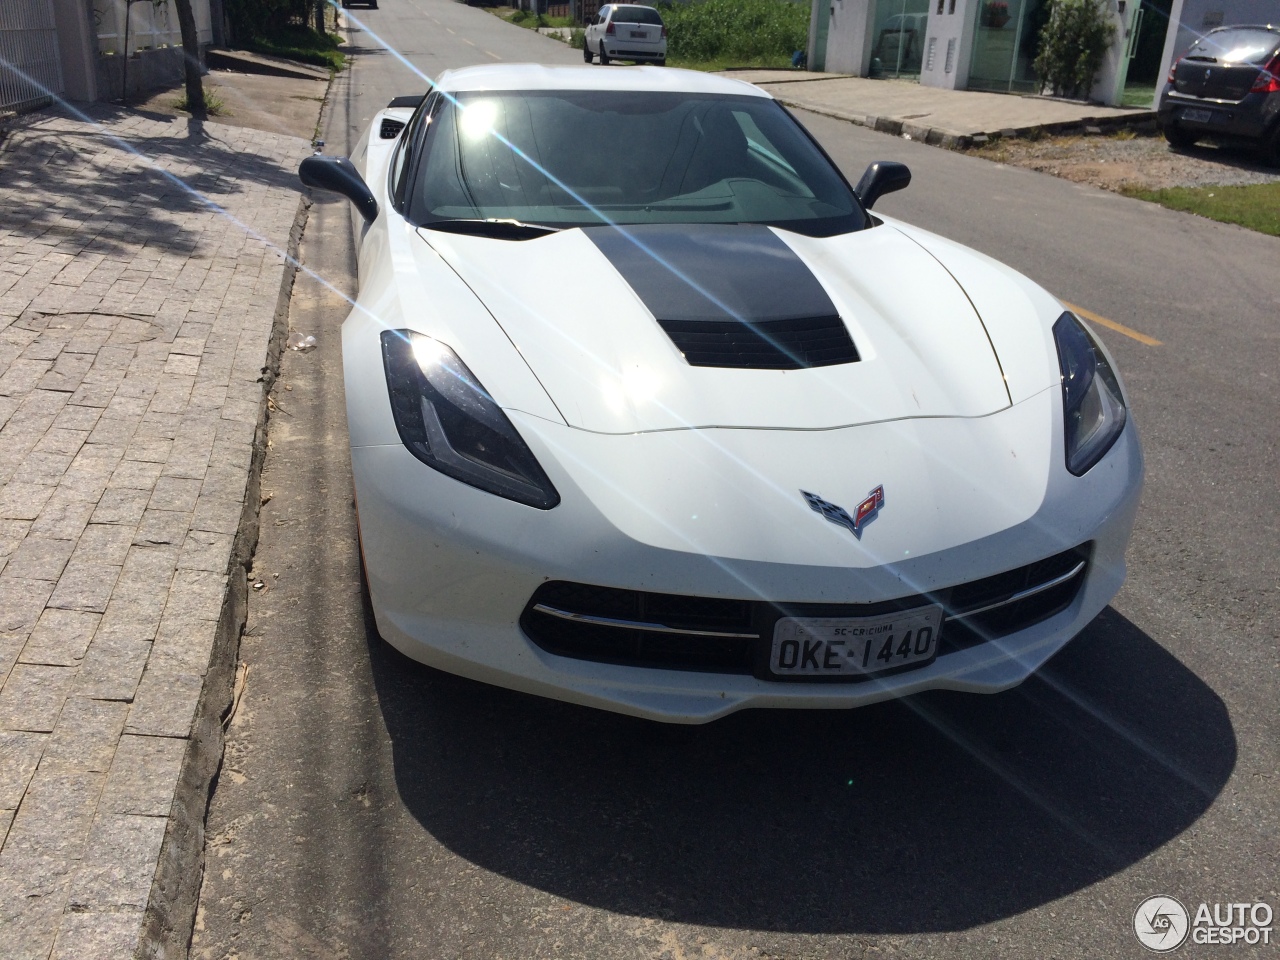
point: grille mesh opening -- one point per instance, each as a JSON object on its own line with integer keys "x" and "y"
{"x": 763, "y": 345}
{"x": 614, "y": 643}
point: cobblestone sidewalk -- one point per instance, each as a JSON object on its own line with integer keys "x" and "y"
{"x": 135, "y": 325}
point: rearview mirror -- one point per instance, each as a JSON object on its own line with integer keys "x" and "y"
{"x": 339, "y": 175}
{"x": 883, "y": 176}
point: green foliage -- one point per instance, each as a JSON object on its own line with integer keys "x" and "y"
{"x": 577, "y": 38}
{"x": 524, "y": 18}
{"x": 300, "y": 43}
{"x": 1072, "y": 45}
{"x": 1256, "y": 206}
{"x": 258, "y": 18}
{"x": 282, "y": 28}
{"x": 214, "y": 105}
{"x": 736, "y": 31}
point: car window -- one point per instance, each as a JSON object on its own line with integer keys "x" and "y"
{"x": 406, "y": 148}
{"x": 1236, "y": 46}
{"x": 636, "y": 15}
{"x": 581, "y": 158}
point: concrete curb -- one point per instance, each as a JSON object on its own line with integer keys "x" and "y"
{"x": 175, "y": 892}
{"x": 247, "y": 62}
{"x": 953, "y": 140}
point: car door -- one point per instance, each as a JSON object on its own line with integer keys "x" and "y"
{"x": 598, "y": 29}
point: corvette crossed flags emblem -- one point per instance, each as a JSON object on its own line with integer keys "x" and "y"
{"x": 865, "y": 511}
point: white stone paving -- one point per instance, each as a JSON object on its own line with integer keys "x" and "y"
{"x": 134, "y": 328}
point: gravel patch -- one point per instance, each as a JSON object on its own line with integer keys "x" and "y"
{"x": 1124, "y": 160}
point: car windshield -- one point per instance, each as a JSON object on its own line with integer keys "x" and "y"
{"x": 1236, "y": 46}
{"x": 579, "y": 158}
{"x": 635, "y": 15}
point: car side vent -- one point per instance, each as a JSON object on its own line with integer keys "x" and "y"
{"x": 763, "y": 344}
{"x": 390, "y": 129}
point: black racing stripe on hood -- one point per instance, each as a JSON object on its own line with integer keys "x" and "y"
{"x": 729, "y": 295}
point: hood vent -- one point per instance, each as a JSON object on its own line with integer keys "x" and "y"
{"x": 729, "y": 295}
{"x": 766, "y": 345}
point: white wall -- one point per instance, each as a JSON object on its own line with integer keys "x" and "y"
{"x": 77, "y": 47}
{"x": 849, "y": 36}
{"x": 944, "y": 29}
{"x": 1108, "y": 87}
{"x": 150, "y": 26}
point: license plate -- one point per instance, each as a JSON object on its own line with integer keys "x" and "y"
{"x": 1197, "y": 116}
{"x": 854, "y": 646}
{"x": 638, "y": 34}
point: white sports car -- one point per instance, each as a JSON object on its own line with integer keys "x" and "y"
{"x": 647, "y": 412}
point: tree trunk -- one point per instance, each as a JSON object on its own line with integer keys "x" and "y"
{"x": 320, "y": 5}
{"x": 191, "y": 58}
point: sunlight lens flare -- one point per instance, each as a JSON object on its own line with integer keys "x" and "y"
{"x": 477, "y": 118}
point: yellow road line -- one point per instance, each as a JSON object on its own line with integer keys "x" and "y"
{"x": 1112, "y": 325}
{"x": 465, "y": 40}
{"x": 449, "y": 30}
{"x": 492, "y": 54}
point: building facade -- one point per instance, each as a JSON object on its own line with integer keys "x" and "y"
{"x": 991, "y": 44}
{"x": 87, "y": 49}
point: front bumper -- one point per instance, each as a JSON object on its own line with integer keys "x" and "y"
{"x": 451, "y": 569}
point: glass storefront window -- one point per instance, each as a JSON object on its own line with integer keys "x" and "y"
{"x": 898, "y": 45}
{"x": 1005, "y": 45}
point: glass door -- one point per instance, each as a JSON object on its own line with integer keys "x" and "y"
{"x": 898, "y": 49}
{"x": 1005, "y": 45}
{"x": 1146, "y": 47}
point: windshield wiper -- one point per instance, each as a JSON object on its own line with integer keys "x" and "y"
{"x": 499, "y": 228}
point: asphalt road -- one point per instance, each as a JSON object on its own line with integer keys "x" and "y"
{"x": 369, "y": 807}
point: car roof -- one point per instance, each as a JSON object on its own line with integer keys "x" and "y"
{"x": 1269, "y": 27}
{"x": 533, "y": 76}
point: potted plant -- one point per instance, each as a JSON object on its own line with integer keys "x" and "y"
{"x": 995, "y": 14}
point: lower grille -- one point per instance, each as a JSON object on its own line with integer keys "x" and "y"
{"x": 674, "y": 632}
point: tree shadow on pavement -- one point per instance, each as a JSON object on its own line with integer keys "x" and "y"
{"x": 80, "y": 189}
{"x": 936, "y": 813}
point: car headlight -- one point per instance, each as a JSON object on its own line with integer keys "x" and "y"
{"x": 1093, "y": 407}
{"x": 449, "y": 421}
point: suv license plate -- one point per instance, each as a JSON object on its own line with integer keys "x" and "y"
{"x": 1197, "y": 116}
{"x": 854, "y": 646}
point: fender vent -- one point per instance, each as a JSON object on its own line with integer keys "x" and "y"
{"x": 763, "y": 345}
{"x": 390, "y": 129}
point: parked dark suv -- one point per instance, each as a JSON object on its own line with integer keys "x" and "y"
{"x": 1227, "y": 87}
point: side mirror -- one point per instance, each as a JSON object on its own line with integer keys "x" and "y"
{"x": 339, "y": 175}
{"x": 883, "y": 176}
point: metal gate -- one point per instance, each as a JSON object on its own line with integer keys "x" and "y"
{"x": 30, "y": 72}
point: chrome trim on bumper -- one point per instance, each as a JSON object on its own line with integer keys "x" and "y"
{"x": 637, "y": 625}
{"x": 1021, "y": 595}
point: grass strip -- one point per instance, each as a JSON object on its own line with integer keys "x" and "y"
{"x": 301, "y": 44}
{"x": 735, "y": 32}
{"x": 1255, "y": 206}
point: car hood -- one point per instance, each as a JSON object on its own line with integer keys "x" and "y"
{"x": 584, "y": 313}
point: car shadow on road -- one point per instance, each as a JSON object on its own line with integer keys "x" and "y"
{"x": 936, "y": 813}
